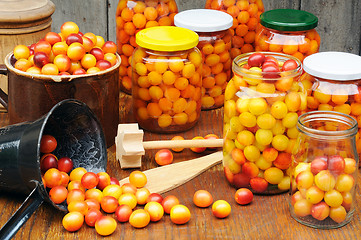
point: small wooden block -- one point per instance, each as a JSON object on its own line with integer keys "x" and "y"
{"x": 129, "y": 147}
{"x": 127, "y": 127}
{"x": 134, "y": 161}
{"x": 132, "y": 142}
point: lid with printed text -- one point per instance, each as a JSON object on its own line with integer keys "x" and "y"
{"x": 167, "y": 38}
{"x": 203, "y": 20}
{"x": 333, "y": 65}
{"x": 288, "y": 20}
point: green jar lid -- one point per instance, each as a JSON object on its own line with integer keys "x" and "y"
{"x": 288, "y": 20}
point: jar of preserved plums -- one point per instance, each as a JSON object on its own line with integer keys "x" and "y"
{"x": 288, "y": 31}
{"x": 324, "y": 170}
{"x": 262, "y": 103}
{"x": 131, "y": 17}
{"x": 333, "y": 83}
{"x": 245, "y": 15}
{"x": 212, "y": 28}
{"x": 167, "y": 79}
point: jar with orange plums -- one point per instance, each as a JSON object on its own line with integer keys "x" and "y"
{"x": 246, "y": 20}
{"x": 212, "y": 27}
{"x": 131, "y": 17}
{"x": 333, "y": 83}
{"x": 288, "y": 31}
{"x": 167, "y": 79}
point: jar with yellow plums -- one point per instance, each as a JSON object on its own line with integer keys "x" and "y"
{"x": 262, "y": 103}
{"x": 324, "y": 170}
{"x": 167, "y": 79}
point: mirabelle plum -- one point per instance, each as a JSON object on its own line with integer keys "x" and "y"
{"x": 42, "y": 46}
{"x": 60, "y": 48}
{"x": 200, "y": 149}
{"x": 138, "y": 179}
{"x": 72, "y": 38}
{"x": 320, "y": 211}
{"x": 164, "y": 157}
{"x": 344, "y": 183}
{"x": 314, "y": 194}
{"x": 155, "y": 211}
{"x": 98, "y": 53}
{"x": 23, "y": 64}
{"x": 128, "y": 199}
{"x": 302, "y": 208}
{"x": 76, "y": 51}
{"x": 221, "y": 209}
{"x": 279, "y": 110}
{"x": 109, "y": 47}
{"x": 259, "y": 184}
{"x": 21, "y": 51}
{"x": 273, "y": 175}
{"x": 338, "y": 214}
{"x": 69, "y": 27}
{"x": 180, "y": 214}
{"x": 324, "y": 180}
{"x": 270, "y": 154}
{"x": 103, "y": 65}
{"x": 63, "y": 62}
{"x": 336, "y": 164}
{"x": 350, "y": 165}
{"x": 41, "y": 59}
{"x": 319, "y": 164}
{"x": 100, "y": 41}
{"x": 177, "y": 138}
{"x": 34, "y": 70}
{"x": 88, "y": 61}
{"x": 110, "y": 57}
{"x": 50, "y": 69}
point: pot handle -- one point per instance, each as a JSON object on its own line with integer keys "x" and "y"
{"x": 24, "y": 212}
{"x": 3, "y": 95}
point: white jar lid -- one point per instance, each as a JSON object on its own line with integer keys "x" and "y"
{"x": 333, "y": 65}
{"x": 203, "y": 20}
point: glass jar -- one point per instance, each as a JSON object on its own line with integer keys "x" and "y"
{"x": 212, "y": 28}
{"x": 324, "y": 170}
{"x": 167, "y": 79}
{"x": 333, "y": 81}
{"x": 288, "y": 31}
{"x": 131, "y": 17}
{"x": 245, "y": 15}
{"x": 260, "y": 117}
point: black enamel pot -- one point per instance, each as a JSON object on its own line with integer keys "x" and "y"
{"x": 79, "y": 136}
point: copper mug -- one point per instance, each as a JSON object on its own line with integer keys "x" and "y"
{"x": 30, "y": 96}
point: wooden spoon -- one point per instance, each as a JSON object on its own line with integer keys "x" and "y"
{"x": 166, "y": 178}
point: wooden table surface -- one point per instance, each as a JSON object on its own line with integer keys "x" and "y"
{"x": 267, "y": 217}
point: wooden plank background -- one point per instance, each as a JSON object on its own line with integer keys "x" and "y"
{"x": 339, "y": 20}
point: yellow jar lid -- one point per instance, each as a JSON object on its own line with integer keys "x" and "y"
{"x": 167, "y": 38}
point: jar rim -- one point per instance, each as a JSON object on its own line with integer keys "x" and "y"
{"x": 288, "y": 20}
{"x": 327, "y": 116}
{"x": 241, "y": 59}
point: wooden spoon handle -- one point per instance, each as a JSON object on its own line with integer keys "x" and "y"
{"x": 166, "y": 178}
{"x": 183, "y": 143}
